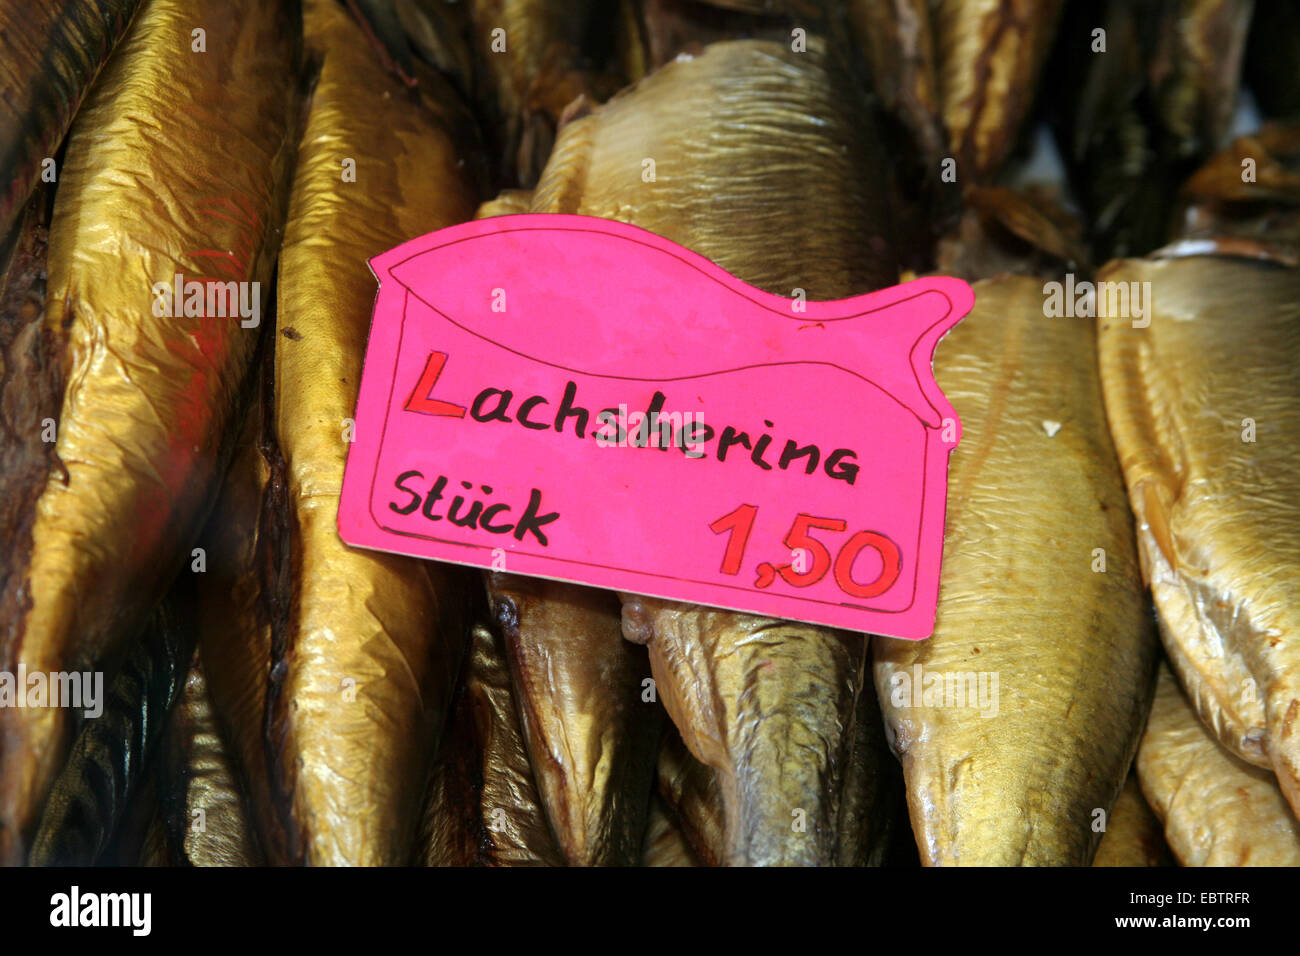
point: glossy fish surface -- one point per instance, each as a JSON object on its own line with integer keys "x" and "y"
{"x": 1018, "y": 718}
{"x": 49, "y": 55}
{"x": 483, "y": 807}
{"x": 1217, "y": 810}
{"x": 366, "y": 649}
{"x": 589, "y": 719}
{"x": 150, "y": 381}
{"x": 1201, "y": 397}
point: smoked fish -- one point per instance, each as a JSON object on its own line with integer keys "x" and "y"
{"x": 588, "y": 713}
{"x": 1217, "y": 810}
{"x": 236, "y": 608}
{"x": 176, "y": 172}
{"x": 533, "y": 52}
{"x": 897, "y": 39}
{"x": 689, "y": 791}
{"x": 1134, "y": 835}
{"x": 664, "y": 843}
{"x": 1254, "y": 217}
{"x": 988, "y": 56}
{"x": 727, "y": 153}
{"x": 1020, "y": 716}
{"x": 204, "y": 809}
{"x": 483, "y": 807}
{"x": 50, "y": 53}
{"x": 365, "y": 647}
{"x": 1201, "y": 398}
{"x": 109, "y": 763}
{"x": 767, "y": 704}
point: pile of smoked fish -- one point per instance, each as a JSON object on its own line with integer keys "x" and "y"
{"x": 1122, "y": 552}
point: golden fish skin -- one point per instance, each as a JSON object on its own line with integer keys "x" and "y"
{"x": 665, "y": 845}
{"x": 746, "y": 126}
{"x": 509, "y": 202}
{"x": 755, "y": 150}
{"x": 690, "y": 794}
{"x": 1217, "y": 810}
{"x": 108, "y": 763}
{"x": 235, "y": 611}
{"x": 483, "y": 807}
{"x": 366, "y": 646}
{"x": 1134, "y": 835}
{"x": 178, "y": 163}
{"x": 1218, "y": 519}
{"x": 989, "y": 54}
{"x": 767, "y": 705}
{"x": 533, "y": 55}
{"x": 437, "y": 31}
{"x": 50, "y": 53}
{"x": 1033, "y": 490}
{"x": 590, "y": 722}
{"x": 206, "y": 816}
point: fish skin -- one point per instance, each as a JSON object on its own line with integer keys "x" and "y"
{"x": 989, "y": 54}
{"x": 438, "y": 31}
{"x": 872, "y": 796}
{"x": 1124, "y": 167}
{"x": 1003, "y": 230}
{"x": 689, "y": 793}
{"x": 745, "y": 125}
{"x": 31, "y": 390}
{"x": 206, "y": 816}
{"x": 483, "y": 807}
{"x": 1073, "y": 650}
{"x": 235, "y": 610}
{"x": 148, "y": 400}
{"x": 1217, "y": 810}
{"x": 897, "y": 39}
{"x": 665, "y": 845}
{"x": 50, "y": 53}
{"x": 1134, "y": 835}
{"x": 543, "y": 68}
{"x": 1218, "y": 521}
{"x": 509, "y": 202}
{"x": 107, "y": 765}
{"x": 591, "y": 735}
{"x": 767, "y": 705}
{"x": 365, "y": 646}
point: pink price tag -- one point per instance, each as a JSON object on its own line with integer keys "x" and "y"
{"x": 580, "y": 399}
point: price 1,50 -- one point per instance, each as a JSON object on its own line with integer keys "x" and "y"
{"x": 818, "y": 562}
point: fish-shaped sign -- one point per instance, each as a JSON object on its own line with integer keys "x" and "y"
{"x": 580, "y": 399}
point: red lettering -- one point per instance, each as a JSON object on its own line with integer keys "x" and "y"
{"x": 420, "y": 400}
